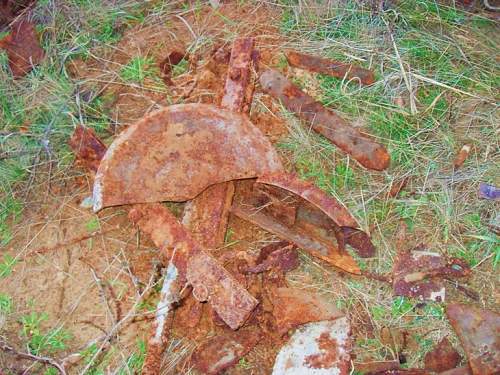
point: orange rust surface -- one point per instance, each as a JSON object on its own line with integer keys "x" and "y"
{"x": 238, "y": 77}
{"x": 23, "y": 48}
{"x": 177, "y": 152}
{"x": 479, "y": 332}
{"x": 324, "y": 251}
{"x": 308, "y": 191}
{"x": 223, "y": 351}
{"x": 328, "y": 356}
{"x": 88, "y": 148}
{"x": 210, "y": 281}
{"x": 293, "y": 307}
{"x": 330, "y": 67}
{"x": 367, "y": 152}
{"x": 206, "y": 215}
{"x": 443, "y": 357}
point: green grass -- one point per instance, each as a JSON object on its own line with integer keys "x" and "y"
{"x": 5, "y": 303}
{"x": 39, "y": 341}
{"x": 138, "y": 69}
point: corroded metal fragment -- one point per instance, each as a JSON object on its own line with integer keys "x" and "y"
{"x": 479, "y": 332}
{"x": 443, "y": 357}
{"x": 238, "y": 77}
{"x": 206, "y": 215}
{"x": 282, "y": 255}
{"x": 88, "y": 148}
{"x": 293, "y": 307}
{"x": 330, "y": 67}
{"x": 319, "y": 348}
{"x": 311, "y": 193}
{"x": 367, "y": 152}
{"x": 22, "y": 48}
{"x": 419, "y": 274}
{"x": 177, "y": 152}
{"x": 321, "y": 250}
{"x": 210, "y": 281}
{"x": 224, "y": 351}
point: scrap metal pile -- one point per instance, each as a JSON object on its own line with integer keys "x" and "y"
{"x": 219, "y": 163}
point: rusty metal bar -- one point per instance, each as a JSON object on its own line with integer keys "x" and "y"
{"x": 367, "y": 152}
{"x": 330, "y": 67}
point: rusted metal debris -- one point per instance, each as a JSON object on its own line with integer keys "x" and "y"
{"x": 10, "y": 9}
{"x": 293, "y": 307}
{"x": 490, "y": 192}
{"x": 224, "y": 351}
{"x": 419, "y": 274}
{"x": 376, "y": 367}
{"x": 206, "y": 215}
{"x": 443, "y": 357}
{"x": 88, "y": 148}
{"x": 330, "y": 67}
{"x": 367, "y": 152}
{"x": 167, "y": 65}
{"x": 479, "y": 332}
{"x": 282, "y": 255}
{"x": 465, "y": 370}
{"x": 315, "y": 349}
{"x": 177, "y": 152}
{"x": 209, "y": 280}
{"x": 324, "y": 251}
{"x": 22, "y": 48}
{"x": 237, "y": 91}
{"x": 462, "y": 155}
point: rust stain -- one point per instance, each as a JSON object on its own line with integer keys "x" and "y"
{"x": 210, "y": 281}
{"x": 88, "y": 148}
{"x": 328, "y": 355}
{"x": 22, "y": 47}
{"x": 177, "y": 152}
{"x": 367, "y": 152}
{"x": 479, "y": 332}
{"x": 330, "y": 67}
{"x": 224, "y": 351}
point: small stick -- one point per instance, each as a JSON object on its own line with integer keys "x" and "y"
{"x": 45, "y": 360}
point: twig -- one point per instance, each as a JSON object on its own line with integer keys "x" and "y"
{"x": 45, "y": 360}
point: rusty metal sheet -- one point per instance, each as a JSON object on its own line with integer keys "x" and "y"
{"x": 210, "y": 281}
{"x": 321, "y": 250}
{"x": 88, "y": 148}
{"x": 207, "y": 214}
{"x": 330, "y": 67}
{"x": 366, "y": 151}
{"x": 376, "y": 367}
{"x": 479, "y": 332}
{"x": 319, "y": 348}
{"x": 224, "y": 351}
{"x": 419, "y": 274}
{"x": 277, "y": 202}
{"x": 177, "y": 152}
{"x": 442, "y": 357}
{"x": 293, "y": 307}
{"x": 22, "y": 48}
{"x": 311, "y": 193}
{"x": 237, "y": 91}
{"x": 465, "y": 370}
{"x": 282, "y": 255}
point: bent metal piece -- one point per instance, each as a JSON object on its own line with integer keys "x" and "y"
{"x": 330, "y": 67}
{"x": 175, "y": 153}
{"x": 332, "y": 209}
{"x": 210, "y": 281}
{"x": 367, "y": 152}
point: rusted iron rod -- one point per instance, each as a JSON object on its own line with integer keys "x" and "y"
{"x": 367, "y": 152}
{"x": 330, "y": 67}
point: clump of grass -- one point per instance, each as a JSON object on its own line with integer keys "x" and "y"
{"x": 138, "y": 69}
{"x": 40, "y": 342}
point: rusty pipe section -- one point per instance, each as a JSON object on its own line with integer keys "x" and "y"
{"x": 367, "y": 152}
